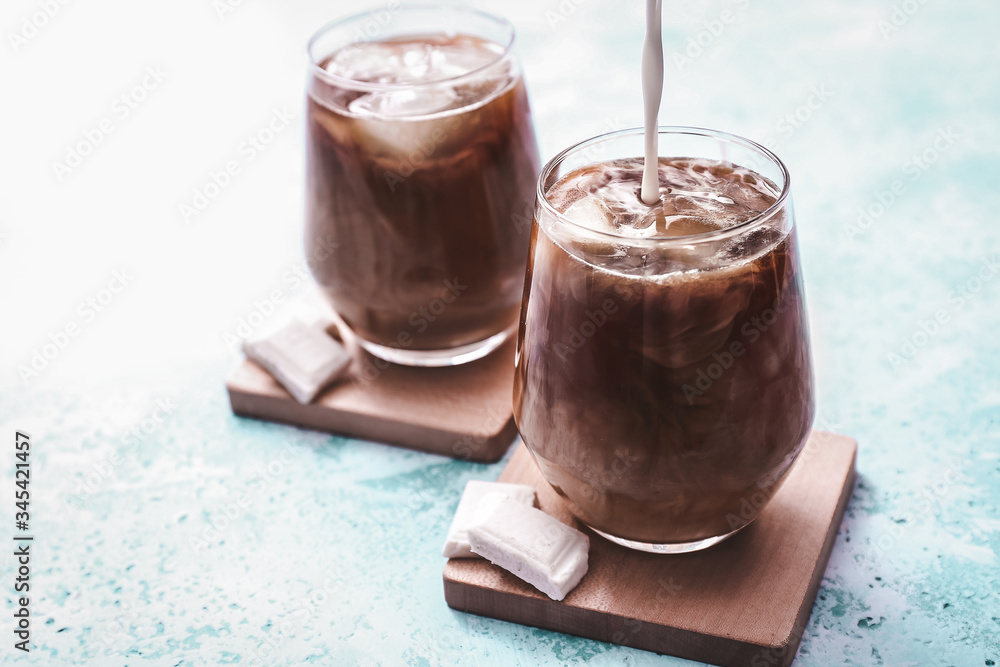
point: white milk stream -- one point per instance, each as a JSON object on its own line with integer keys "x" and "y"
{"x": 652, "y": 89}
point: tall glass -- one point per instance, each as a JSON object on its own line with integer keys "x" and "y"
{"x": 421, "y": 166}
{"x": 664, "y": 384}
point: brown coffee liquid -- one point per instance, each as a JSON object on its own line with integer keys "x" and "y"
{"x": 424, "y": 195}
{"x": 664, "y": 391}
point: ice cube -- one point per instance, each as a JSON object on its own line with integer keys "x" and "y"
{"x": 683, "y": 225}
{"x": 755, "y": 196}
{"x": 456, "y": 60}
{"x": 706, "y": 195}
{"x": 418, "y": 59}
{"x": 411, "y": 62}
{"x": 593, "y": 213}
{"x": 411, "y": 142}
{"x": 405, "y": 102}
{"x": 367, "y": 61}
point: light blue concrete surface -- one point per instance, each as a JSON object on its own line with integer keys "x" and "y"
{"x": 169, "y": 532}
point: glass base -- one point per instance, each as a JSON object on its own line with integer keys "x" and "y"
{"x": 670, "y": 548}
{"x": 454, "y": 356}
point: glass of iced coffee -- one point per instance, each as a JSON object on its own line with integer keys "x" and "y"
{"x": 664, "y": 381}
{"x": 421, "y": 167}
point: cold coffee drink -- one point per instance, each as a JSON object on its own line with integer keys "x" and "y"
{"x": 664, "y": 381}
{"x": 421, "y": 166}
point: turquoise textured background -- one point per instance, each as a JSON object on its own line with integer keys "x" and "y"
{"x": 169, "y": 532}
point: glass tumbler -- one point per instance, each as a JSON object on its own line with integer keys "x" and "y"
{"x": 421, "y": 162}
{"x": 664, "y": 384}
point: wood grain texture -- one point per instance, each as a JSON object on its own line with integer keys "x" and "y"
{"x": 743, "y": 602}
{"x": 461, "y": 411}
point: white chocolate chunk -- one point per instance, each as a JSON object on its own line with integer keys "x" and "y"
{"x": 303, "y": 358}
{"x": 530, "y": 544}
{"x": 457, "y": 544}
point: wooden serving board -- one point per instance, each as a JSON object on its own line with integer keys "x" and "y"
{"x": 461, "y": 411}
{"x": 745, "y": 601}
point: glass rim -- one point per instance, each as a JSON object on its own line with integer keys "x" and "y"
{"x": 354, "y": 84}
{"x": 739, "y": 228}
